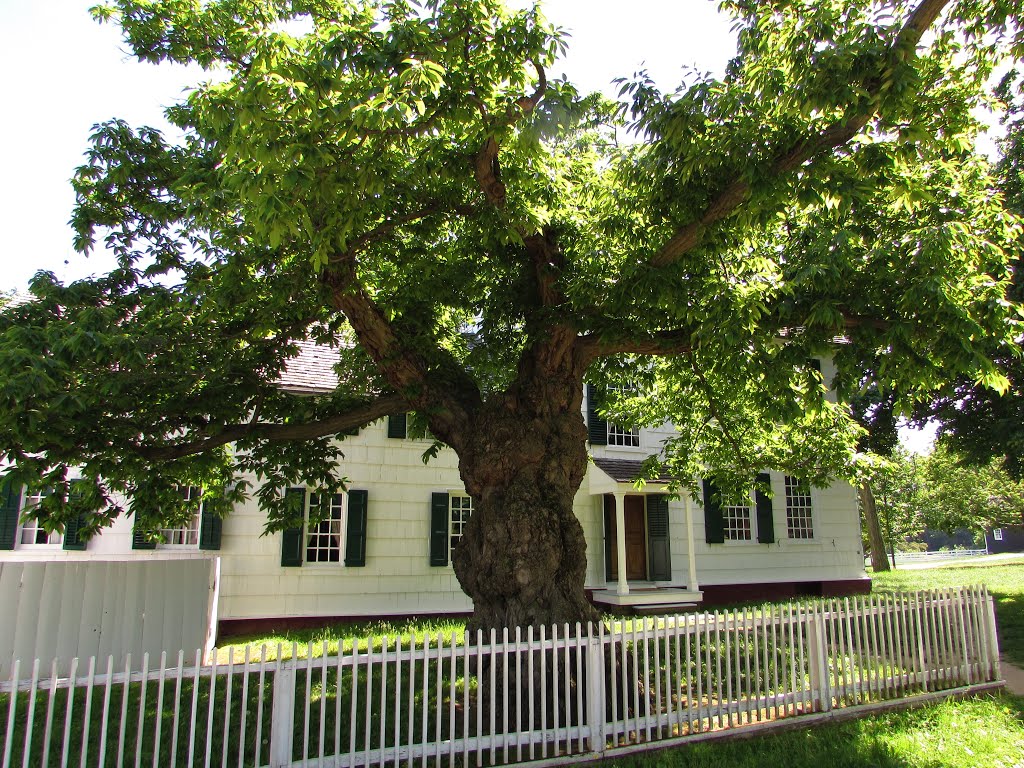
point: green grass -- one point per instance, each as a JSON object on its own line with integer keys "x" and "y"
{"x": 342, "y": 636}
{"x": 980, "y": 732}
{"x": 1005, "y": 581}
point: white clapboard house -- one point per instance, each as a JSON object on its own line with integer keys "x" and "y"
{"x": 385, "y": 547}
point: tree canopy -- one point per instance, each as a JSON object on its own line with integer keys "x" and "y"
{"x": 407, "y": 182}
{"x": 981, "y": 424}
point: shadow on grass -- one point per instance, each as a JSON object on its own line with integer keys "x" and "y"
{"x": 973, "y": 733}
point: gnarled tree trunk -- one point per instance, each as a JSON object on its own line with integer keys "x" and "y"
{"x": 522, "y": 557}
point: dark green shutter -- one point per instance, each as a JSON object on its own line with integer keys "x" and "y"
{"x": 291, "y": 538}
{"x": 10, "y": 509}
{"x": 438, "y": 529}
{"x": 398, "y": 425}
{"x": 765, "y": 519}
{"x": 714, "y": 523}
{"x": 210, "y": 527}
{"x": 139, "y": 540}
{"x": 72, "y": 540}
{"x": 597, "y": 428}
{"x": 660, "y": 556}
{"x": 355, "y": 533}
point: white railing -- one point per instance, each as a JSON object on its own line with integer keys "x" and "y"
{"x": 942, "y": 554}
{"x": 559, "y": 694}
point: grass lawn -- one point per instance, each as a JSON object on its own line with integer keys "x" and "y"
{"x": 980, "y": 731}
{"x": 984, "y": 731}
{"x": 1004, "y": 580}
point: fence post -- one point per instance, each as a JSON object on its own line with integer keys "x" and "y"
{"x": 820, "y": 687}
{"x": 596, "y": 674}
{"x": 993, "y": 637}
{"x": 282, "y": 715}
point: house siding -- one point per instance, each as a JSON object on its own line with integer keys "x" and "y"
{"x": 397, "y": 578}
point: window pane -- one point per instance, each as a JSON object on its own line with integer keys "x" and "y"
{"x": 186, "y": 535}
{"x": 31, "y": 531}
{"x": 737, "y": 523}
{"x": 323, "y": 544}
{"x": 799, "y": 524}
{"x": 461, "y": 509}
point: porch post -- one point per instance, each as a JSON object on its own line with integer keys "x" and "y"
{"x": 620, "y": 540}
{"x": 691, "y": 556}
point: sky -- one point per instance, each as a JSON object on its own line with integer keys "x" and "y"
{"x": 64, "y": 73}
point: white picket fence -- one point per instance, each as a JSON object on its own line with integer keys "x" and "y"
{"x": 561, "y": 694}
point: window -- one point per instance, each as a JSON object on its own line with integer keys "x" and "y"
{"x": 321, "y": 542}
{"x": 622, "y": 435}
{"x": 32, "y": 532}
{"x": 737, "y": 523}
{"x": 323, "y": 539}
{"x": 799, "y": 524}
{"x": 186, "y": 535}
{"x": 461, "y": 507}
{"x": 997, "y": 534}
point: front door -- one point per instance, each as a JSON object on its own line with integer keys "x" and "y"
{"x": 636, "y": 538}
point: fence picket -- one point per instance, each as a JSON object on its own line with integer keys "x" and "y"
{"x": 159, "y": 720}
{"x": 66, "y": 742}
{"x": 33, "y": 689}
{"x": 12, "y": 706}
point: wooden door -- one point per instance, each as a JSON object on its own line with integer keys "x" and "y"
{"x": 636, "y": 538}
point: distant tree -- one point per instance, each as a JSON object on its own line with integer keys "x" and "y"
{"x": 407, "y": 183}
{"x": 875, "y": 411}
{"x": 954, "y": 496}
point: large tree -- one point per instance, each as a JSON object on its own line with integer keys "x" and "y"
{"x": 980, "y": 424}
{"x": 408, "y": 183}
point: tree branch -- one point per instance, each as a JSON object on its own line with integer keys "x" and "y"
{"x": 674, "y": 342}
{"x": 385, "y": 228}
{"x": 352, "y": 419}
{"x": 834, "y": 136}
{"x": 486, "y": 167}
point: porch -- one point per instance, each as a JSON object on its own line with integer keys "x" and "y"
{"x": 638, "y": 558}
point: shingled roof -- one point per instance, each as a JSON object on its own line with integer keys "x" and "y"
{"x": 312, "y": 371}
{"x": 627, "y": 471}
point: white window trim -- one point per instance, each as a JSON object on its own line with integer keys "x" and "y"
{"x": 54, "y": 540}
{"x": 197, "y": 519}
{"x": 752, "y": 516}
{"x": 813, "y": 538}
{"x": 997, "y": 534}
{"x": 342, "y": 535}
{"x": 452, "y": 495}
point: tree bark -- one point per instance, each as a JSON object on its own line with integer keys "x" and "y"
{"x": 522, "y": 557}
{"x": 879, "y": 559}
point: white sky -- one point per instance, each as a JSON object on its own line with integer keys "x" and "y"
{"x": 65, "y": 73}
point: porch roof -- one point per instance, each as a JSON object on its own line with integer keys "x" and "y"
{"x": 628, "y": 471}
{"x": 620, "y": 476}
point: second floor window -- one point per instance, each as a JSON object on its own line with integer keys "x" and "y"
{"x": 618, "y": 435}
